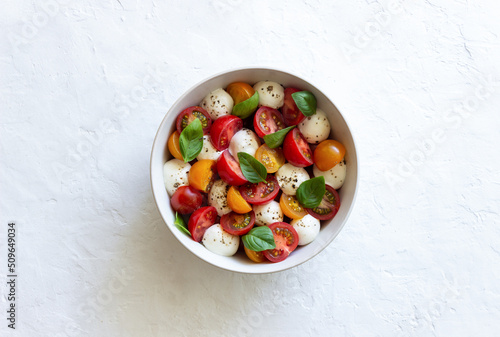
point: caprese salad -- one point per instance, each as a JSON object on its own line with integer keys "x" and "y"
{"x": 254, "y": 164}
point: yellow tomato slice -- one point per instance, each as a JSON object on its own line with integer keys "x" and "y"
{"x": 202, "y": 174}
{"x": 255, "y": 256}
{"x": 173, "y": 145}
{"x": 291, "y": 207}
{"x": 236, "y": 202}
{"x": 272, "y": 159}
{"x": 240, "y": 91}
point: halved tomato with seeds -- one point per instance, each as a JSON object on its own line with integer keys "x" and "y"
{"x": 238, "y": 224}
{"x": 296, "y": 149}
{"x": 267, "y": 120}
{"x": 190, "y": 114}
{"x": 272, "y": 159}
{"x": 202, "y": 174}
{"x": 291, "y": 207}
{"x": 328, "y": 207}
{"x": 260, "y": 193}
{"x": 286, "y": 239}
{"x": 257, "y": 257}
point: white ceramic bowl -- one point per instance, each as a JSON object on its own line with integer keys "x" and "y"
{"x": 340, "y": 131}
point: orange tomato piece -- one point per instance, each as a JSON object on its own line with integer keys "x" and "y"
{"x": 240, "y": 91}
{"x": 255, "y": 256}
{"x": 202, "y": 174}
{"x": 291, "y": 207}
{"x": 236, "y": 202}
{"x": 328, "y": 153}
{"x": 272, "y": 159}
{"x": 173, "y": 145}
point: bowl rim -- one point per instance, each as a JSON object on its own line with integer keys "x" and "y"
{"x": 155, "y": 144}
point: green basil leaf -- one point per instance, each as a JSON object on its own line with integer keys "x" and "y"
{"x": 247, "y": 107}
{"x": 251, "y": 168}
{"x": 191, "y": 140}
{"x": 306, "y": 102}
{"x": 311, "y": 192}
{"x": 275, "y": 139}
{"x": 180, "y": 224}
{"x": 259, "y": 239}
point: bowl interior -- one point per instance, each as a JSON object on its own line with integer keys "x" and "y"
{"x": 340, "y": 131}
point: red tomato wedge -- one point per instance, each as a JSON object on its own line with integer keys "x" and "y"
{"x": 267, "y": 121}
{"x": 260, "y": 193}
{"x": 190, "y": 114}
{"x": 291, "y": 113}
{"x": 328, "y": 207}
{"x": 223, "y": 129}
{"x": 238, "y": 224}
{"x": 186, "y": 200}
{"x": 229, "y": 170}
{"x": 296, "y": 149}
{"x": 200, "y": 220}
{"x": 286, "y": 239}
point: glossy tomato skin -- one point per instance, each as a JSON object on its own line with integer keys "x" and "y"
{"x": 238, "y": 224}
{"x": 229, "y": 170}
{"x": 286, "y": 239}
{"x": 267, "y": 120}
{"x": 240, "y": 91}
{"x": 188, "y": 115}
{"x": 328, "y": 153}
{"x": 328, "y": 207}
{"x": 200, "y": 220}
{"x": 260, "y": 193}
{"x": 297, "y": 150}
{"x": 223, "y": 129}
{"x": 291, "y": 113}
{"x": 186, "y": 200}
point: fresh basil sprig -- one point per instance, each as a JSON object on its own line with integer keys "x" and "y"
{"x": 306, "y": 102}
{"x": 311, "y": 192}
{"x": 247, "y": 107}
{"x": 191, "y": 140}
{"x": 251, "y": 168}
{"x": 180, "y": 224}
{"x": 275, "y": 139}
{"x": 259, "y": 239}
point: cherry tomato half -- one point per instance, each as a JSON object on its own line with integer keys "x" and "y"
{"x": 267, "y": 120}
{"x": 188, "y": 115}
{"x": 173, "y": 145}
{"x": 202, "y": 174}
{"x": 186, "y": 200}
{"x": 296, "y": 149}
{"x": 229, "y": 170}
{"x": 240, "y": 91}
{"x": 223, "y": 129}
{"x": 260, "y": 193}
{"x": 238, "y": 224}
{"x": 328, "y": 207}
{"x": 272, "y": 159}
{"x": 236, "y": 202}
{"x": 200, "y": 220}
{"x": 291, "y": 113}
{"x": 286, "y": 239}
{"x": 328, "y": 153}
{"x": 257, "y": 257}
{"x": 291, "y": 207}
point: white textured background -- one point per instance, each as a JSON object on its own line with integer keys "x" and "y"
{"x": 85, "y": 84}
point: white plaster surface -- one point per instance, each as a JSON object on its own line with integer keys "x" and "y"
{"x": 85, "y": 84}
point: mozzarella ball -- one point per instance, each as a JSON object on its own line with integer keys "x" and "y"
{"x": 244, "y": 140}
{"x": 219, "y": 241}
{"x": 208, "y": 151}
{"x": 175, "y": 175}
{"x": 217, "y": 197}
{"x": 218, "y": 103}
{"x": 335, "y": 176}
{"x": 271, "y": 94}
{"x": 268, "y": 213}
{"x": 307, "y": 228}
{"x": 315, "y": 128}
{"x": 290, "y": 177}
